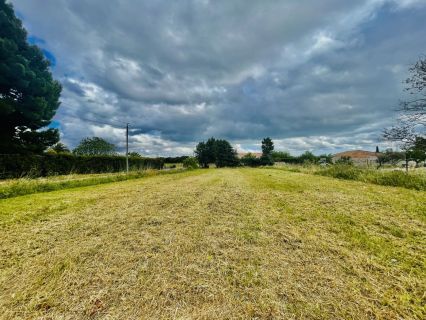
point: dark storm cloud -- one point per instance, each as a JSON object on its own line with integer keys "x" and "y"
{"x": 317, "y": 75}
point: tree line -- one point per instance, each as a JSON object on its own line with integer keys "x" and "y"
{"x": 220, "y": 153}
{"x": 90, "y": 146}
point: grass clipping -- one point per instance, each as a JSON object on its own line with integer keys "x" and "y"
{"x": 18, "y": 187}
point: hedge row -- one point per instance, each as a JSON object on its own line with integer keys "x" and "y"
{"x": 17, "y": 166}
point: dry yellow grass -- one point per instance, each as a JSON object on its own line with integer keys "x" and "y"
{"x": 215, "y": 244}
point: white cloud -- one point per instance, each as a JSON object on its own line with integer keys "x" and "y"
{"x": 404, "y": 4}
{"x": 303, "y": 72}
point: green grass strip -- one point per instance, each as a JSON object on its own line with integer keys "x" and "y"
{"x": 24, "y": 186}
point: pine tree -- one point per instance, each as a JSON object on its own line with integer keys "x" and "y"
{"x": 29, "y": 97}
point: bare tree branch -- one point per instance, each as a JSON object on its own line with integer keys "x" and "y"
{"x": 412, "y": 119}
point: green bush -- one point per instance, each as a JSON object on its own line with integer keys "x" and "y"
{"x": 16, "y": 166}
{"x": 345, "y": 161}
{"x": 342, "y": 171}
{"x": 250, "y": 160}
{"x": 190, "y": 163}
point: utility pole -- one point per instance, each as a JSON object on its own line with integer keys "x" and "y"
{"x": 127, "y": 148}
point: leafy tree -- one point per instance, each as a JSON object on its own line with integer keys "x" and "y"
{"x": 60, "y": 148}
{"x": 29, "y": 97}
{"x": 211, "y": 147}
{"x": 215, "y": 151}
{"x": 135, "y": 154}
{"x": 201, "y": 154}
{"x": 281, "y": 156}
{"x": 267, "y": 149}
{"x": 250, "y": 160}
{"x": 391, "y": 157}
{"x": 308, "y": 157}
{"x": 417, "y": 152}
{"x": 94, "y": 146}
{"x": 226, "y": 156}
{"x": 205, "y": 152}
{"x": 190, "y": 163}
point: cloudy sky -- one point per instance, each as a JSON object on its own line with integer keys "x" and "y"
{"x": 314, "y": 75}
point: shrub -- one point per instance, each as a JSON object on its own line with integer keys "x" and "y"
{"x": 250, "y": 160}
{"x": 267, "y": 160}
{"x": 396, "y": 179}
{"x": 281, "y": 156}
{"x": 190, "y": 163}
{"x": 342, "y": 171}
{"x": 174, "y": 159}
{"x": 16, "y": 166}
{"x": 308, "y": 157}
{"x": 345, "y": 161}
{"x": 391, "y": 157}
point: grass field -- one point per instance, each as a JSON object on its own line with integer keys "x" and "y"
{"x": 215, "y": 244}
{"x": 17, "y": 187}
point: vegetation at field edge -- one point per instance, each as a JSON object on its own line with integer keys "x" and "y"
{"x": 18, "y": 187}
{"x": 395, "y": 178}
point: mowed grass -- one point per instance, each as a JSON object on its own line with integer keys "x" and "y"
{"x": 215, "y": 244}
{"x": 17, "y": 187}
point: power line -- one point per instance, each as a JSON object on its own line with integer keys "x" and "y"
{"x": 110, "y": 124}
{"x": 100, "y": 116}
{"x": 100, "y": 122}
{"x": 115, "y": 123}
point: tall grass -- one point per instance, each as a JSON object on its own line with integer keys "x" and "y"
{"x": 394, "y": 178}
{"x": 415, "y": 179}
{"x": 23, "y": 186}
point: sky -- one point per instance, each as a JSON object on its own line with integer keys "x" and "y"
{"x": 323, "y": 76}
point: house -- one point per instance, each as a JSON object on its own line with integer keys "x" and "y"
{"x": 359, "y": 157}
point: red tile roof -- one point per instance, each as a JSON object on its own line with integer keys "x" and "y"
{"x": 357, "y": 154}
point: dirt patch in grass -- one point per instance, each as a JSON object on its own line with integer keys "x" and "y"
{"x": 215, "y": 244}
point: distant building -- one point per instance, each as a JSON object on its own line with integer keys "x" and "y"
{"x": 359, "y": 157}
{"x": 255, "y": 154}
